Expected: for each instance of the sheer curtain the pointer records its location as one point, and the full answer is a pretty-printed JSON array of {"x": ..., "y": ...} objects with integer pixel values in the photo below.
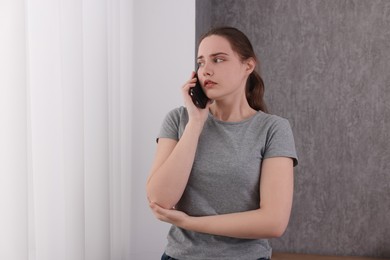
[{"x": 65, "y": 113}]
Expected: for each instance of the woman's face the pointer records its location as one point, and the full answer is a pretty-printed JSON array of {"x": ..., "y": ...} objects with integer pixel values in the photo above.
[{"x": 221, "y": 72}]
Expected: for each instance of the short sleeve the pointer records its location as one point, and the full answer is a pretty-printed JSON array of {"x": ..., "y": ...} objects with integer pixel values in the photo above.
[
  {"x": 280, "y": 141},
  {"x": 173, "y": 124}
]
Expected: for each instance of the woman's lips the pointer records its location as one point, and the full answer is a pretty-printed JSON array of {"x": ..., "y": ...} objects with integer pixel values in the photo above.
[{"x": 209, "y": 83}]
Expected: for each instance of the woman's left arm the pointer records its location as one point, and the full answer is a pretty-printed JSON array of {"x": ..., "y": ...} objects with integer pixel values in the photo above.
[{"x": 270, "y": 220}]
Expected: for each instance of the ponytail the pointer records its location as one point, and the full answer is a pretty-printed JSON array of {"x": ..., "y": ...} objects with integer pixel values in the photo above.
[{"x": 255, "y": 92}]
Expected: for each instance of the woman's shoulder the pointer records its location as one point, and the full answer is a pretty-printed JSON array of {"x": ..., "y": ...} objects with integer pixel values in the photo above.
[
  {"x": 178, "y": 111},
  {"x": 271, "y": 119},
  {"x": 269, "y": 123},
  {"x": 177, "y": 114}
]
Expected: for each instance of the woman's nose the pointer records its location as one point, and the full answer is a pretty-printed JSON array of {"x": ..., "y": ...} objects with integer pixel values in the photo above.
[{"x": 207, "y": 70}]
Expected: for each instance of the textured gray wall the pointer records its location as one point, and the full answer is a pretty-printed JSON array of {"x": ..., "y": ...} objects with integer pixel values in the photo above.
[{"x": 326, "y": 66}]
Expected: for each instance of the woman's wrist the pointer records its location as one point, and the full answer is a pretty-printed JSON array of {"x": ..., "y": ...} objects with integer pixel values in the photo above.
[
  {"x": 189, "y": 223},
  {"x": 195, "y": 126}
]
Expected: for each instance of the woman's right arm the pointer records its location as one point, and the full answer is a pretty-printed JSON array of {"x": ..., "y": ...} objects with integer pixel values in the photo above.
[
  {"x": 173, "y": 160},
  {"x": 172, "y": 167}
]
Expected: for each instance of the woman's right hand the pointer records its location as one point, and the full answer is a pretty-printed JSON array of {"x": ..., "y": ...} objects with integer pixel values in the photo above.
[{"x": 196, "y": 115}]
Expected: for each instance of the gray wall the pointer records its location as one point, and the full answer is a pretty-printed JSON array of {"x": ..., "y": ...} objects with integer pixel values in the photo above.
[{"x": 326, "y": 66}]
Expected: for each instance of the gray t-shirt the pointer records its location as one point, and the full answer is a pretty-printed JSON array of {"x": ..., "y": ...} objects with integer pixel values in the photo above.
[{"x": 225, "y": 179}]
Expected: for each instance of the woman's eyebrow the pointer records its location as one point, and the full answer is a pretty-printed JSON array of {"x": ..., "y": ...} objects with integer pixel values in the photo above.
[
  {"x": 213, "y": 55},
  {"x": 219, "y": 53}
]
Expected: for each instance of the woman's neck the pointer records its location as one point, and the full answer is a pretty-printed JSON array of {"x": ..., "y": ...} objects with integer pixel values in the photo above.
[{"x": 232, "y": 111}]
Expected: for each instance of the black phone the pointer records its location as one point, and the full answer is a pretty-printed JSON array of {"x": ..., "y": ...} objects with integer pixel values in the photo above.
[{"x": 197, "y": 94}]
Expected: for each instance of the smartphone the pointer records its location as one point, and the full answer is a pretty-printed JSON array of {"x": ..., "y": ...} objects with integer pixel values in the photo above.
[{"x": 197, "y": 94}]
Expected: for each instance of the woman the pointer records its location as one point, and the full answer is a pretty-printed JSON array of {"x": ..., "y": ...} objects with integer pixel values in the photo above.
[{"x": 223, "y": 175}]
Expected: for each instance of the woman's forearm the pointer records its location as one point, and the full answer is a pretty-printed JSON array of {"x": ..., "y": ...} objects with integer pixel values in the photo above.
[
  {"x": 248, "y": 225},
  {"x": 167, "y": 181}
]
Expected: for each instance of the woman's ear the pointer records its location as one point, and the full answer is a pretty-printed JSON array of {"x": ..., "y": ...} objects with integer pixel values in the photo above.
[{"x": 250, "y": 65}]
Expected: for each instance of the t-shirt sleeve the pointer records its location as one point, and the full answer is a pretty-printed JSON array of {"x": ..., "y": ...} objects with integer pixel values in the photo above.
[
  {"x": 280, "y": 141},
  {"x": 170, "y": 125}
]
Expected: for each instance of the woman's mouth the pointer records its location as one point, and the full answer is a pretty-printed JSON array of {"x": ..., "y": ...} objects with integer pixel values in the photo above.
[{"x": 209, "y": 84}]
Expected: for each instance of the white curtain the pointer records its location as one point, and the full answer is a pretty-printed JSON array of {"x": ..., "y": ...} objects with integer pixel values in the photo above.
[{"x": 65, "y": 134}]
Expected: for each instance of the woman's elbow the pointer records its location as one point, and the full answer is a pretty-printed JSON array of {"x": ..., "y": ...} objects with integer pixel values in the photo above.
[
  {"x": 277, "y": 232},
  {"x": 274, "y": 227},
  {"x": 278, "y": 228},
  {"x": 162, "y": 203},
  {"x": 158, "y": 199}
]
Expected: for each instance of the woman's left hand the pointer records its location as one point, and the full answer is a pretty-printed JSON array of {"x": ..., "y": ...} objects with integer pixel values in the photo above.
[{"x": 172, "y": 216}]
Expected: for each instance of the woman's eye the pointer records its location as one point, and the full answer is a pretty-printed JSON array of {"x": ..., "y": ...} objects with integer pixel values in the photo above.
[
  {"x": 218, "y": 60},
  {"x": 200, "y": 63}
]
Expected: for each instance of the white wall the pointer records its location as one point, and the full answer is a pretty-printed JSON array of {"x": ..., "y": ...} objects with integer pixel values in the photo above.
[{"x": 163, "y": 58}]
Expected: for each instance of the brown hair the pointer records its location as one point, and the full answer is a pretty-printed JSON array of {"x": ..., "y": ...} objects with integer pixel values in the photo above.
[{"x": 243, "y": 47}]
